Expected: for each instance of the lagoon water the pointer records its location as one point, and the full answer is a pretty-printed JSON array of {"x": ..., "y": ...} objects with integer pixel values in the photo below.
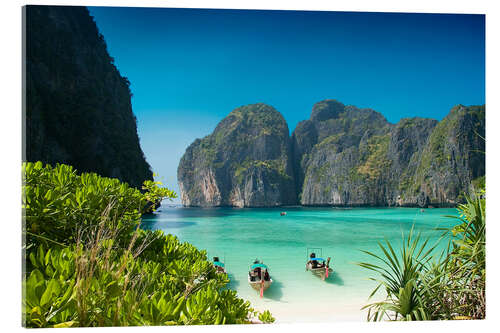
[{"x": 238, "y": 236}]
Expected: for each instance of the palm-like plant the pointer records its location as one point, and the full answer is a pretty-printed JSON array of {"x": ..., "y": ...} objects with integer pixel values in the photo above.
[
  {"x": 459, "y": 289},
  {"x": 469, "y": 248},
  {"x": 401, "y": 277},
  {"x": 422, "y": 286}
]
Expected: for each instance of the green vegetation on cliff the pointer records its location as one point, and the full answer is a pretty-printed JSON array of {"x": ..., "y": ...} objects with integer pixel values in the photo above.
[
  {"x": 89, "y": 264},
  {"x": 374, "y": 161},
  {"x": 267, "y": 120}
]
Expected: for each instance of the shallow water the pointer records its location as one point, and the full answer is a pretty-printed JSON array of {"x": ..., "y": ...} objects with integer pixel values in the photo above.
[{"x": 238, "y": 236}]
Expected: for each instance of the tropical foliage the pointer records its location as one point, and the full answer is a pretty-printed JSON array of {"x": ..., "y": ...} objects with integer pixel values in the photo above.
[
  {"x": 89, "y": 263},
  {"x": 421, "y": 284}
]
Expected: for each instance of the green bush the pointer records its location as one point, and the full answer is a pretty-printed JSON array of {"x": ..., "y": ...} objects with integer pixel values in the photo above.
[
  {"x": 89, "y": 263},
  {"x": 58, "y": 203},
  {"x": 266, "y": 317}
]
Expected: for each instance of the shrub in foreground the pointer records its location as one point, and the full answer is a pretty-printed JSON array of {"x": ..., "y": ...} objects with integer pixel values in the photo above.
[{"x": 89, "y": 263}]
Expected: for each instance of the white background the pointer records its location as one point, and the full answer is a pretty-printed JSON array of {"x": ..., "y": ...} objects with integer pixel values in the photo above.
[{"x": 10, "y": 139}]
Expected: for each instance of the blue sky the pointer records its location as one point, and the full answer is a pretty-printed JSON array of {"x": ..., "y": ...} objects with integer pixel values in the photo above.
[{"x": 189, "y": 68}]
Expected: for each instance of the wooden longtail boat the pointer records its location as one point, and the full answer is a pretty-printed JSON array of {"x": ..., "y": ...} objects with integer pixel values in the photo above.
[
  {"x": 219, "y": 266},
  {"x": 319, "y": 266},
  {"x": 259, "y": 278}
]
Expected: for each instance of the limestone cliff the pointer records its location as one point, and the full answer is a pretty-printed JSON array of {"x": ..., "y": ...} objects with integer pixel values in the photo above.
[
  {"x": 245, "y": 162},
  {"x": 341, "y": 156},
  {"x": 353, "y": 157},
  {"x": 78, "y": 108},
  {"x": 452, "y": 161}
]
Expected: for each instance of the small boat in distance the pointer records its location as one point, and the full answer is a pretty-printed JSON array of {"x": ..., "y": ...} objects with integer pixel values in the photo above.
[
  {"x": 319, "y": 266},
  {"x": 219, "y": 266},
  {"x": 258, "y": 277},
  {"x": 282, "y": 213}
]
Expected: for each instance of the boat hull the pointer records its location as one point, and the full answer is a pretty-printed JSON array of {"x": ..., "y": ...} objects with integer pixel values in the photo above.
[
  {"x": 258, "y": 284},
  {"x": 321, "y": 271}
]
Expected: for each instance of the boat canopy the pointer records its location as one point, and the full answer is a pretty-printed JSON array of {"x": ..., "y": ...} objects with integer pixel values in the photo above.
[
  {"x": 218, "y": 263},
  {"x": 258, "y": 265},
  {"x": 317, "y": 259}
]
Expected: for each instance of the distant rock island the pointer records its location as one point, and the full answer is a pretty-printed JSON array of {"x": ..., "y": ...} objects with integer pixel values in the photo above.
[
  {"x": 78, "y": 108},
  {"x": 245, "y": 162},
  {"x": 341, "y": 156}
]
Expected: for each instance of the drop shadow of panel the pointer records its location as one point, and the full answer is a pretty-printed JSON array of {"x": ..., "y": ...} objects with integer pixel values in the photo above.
[{"x": 275, "y": 290}]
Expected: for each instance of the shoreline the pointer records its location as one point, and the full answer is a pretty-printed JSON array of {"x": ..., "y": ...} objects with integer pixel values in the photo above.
[
  {"x": 340, "y": 207},
  {"x": 316, "y": 311}
]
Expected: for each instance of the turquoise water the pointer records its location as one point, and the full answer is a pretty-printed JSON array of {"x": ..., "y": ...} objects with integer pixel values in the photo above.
[{"x": 238, "y": 236}]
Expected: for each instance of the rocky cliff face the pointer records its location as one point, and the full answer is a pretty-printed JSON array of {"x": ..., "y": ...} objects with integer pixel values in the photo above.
[
  {"x": 325, "y": 152},
  {"x": 349, "y": 156},
  {"x": 78, "y": 108},
  {"x": 245, "y": 162},
  {"x": 452, "y": 160},
  {"x": 408, "y": 138},
  {"x": 341, "y": 156}
]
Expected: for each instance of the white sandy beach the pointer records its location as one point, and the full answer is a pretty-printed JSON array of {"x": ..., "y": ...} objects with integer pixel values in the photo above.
[{"x": 316, "y": 311}]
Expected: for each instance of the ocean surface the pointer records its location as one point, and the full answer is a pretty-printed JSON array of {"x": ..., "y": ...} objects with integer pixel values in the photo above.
[{"x": 238, "y": 236}]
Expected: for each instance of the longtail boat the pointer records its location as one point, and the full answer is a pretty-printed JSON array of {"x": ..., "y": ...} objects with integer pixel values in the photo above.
[
  {"x": 258, "y": 277},
  {"x": 319, "y": 266},
  {"x": 219, "y": 266}
]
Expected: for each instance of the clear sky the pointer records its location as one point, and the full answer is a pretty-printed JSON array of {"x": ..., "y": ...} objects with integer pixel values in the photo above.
[{"x": 189, "y": 68}]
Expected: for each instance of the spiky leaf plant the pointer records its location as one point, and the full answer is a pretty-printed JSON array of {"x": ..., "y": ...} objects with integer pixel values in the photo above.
[{"x": 400, "y": 275}]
